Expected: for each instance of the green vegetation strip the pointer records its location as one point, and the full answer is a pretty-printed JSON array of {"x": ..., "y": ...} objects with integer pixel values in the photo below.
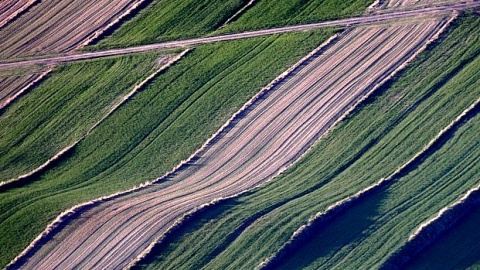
[
  {"x": 377, "y": 139},
  {"x": 63, "y": 108},
  {"x": 160, "y": 126},
  {"x": 272, "y": 13},
  {"x": 165, "y": 20},
  {"x": 172, "y": 19}
]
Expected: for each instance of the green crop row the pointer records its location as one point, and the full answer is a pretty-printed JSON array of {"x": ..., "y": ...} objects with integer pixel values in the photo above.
[
  {"x": 371, "y": 230},
  {"x": 171, "y": 20},
  {"x": 389, "y": 129},
  {"x": 271, "y": 13},
  {"x": 151, "y": 133},
  {"x": 165, "y": 20},
  {"x": 62, "y": 109}
]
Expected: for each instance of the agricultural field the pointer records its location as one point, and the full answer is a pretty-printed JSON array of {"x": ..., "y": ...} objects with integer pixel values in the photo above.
[
  {"x": 16, "y": 82},
  {"x": 168, "y": 120},
  {"x": 161, "y": 20},
  {"x": 10, "y": 9},
  {"x": 456, "y": 248},
  {"x": 292, "y": 148},
  {"x": 259, "y": 145},
  {"x": 66, "y": 105},
  {"x": 384, "y": 134},
  {"x": 65, "y": 26},
  {"x": 269, "y": 13}
]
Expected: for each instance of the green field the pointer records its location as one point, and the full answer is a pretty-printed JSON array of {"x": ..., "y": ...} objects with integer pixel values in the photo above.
[
  {"x": 271, "y": 13},
  {"x": 63, "y": 108},
  {"x": 160, "y": 126},
  {"x": 382, "y": 135},
  {"x": 164, "y": 20}
]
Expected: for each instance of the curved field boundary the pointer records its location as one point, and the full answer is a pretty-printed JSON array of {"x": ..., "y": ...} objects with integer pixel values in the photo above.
[
  {"x": 270, "y": 136},
  {"x": 340, "y": 205},
  {"x": 429, "y": 231},
  {"x": 135, "y": 7},
  {"x": 11, "y": 9},
  {"x": 366, "y": 20},
  {"x": 26, "y": 177}
]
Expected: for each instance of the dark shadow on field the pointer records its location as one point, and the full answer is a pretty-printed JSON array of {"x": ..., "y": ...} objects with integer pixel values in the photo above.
[
  {"x": 457, "y": 248},
  {"x": 328, "y": 236}
]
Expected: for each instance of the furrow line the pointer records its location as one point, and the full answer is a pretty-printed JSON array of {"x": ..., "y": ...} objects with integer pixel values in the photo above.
[
  {"x": 25, "y": 89},
  {"x": 238, "y": 13},
  {"x": 97, "y": 35},
  {"x": 18, "y": 11},
  {"x": 64, "y": 218},
  {"x": 25, "y": 177}
]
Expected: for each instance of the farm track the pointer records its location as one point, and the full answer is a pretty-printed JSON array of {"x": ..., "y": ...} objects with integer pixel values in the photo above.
[
  {"x": 378, "y": 18},
  {"x": 53, "y": 31},
  {"x": 52, "y": 26},
  {"x": 271, "y": 135}
]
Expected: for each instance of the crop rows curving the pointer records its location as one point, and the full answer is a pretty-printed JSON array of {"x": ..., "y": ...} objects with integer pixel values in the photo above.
[
  {"x": 371, "y": 144},
  {"x": 455, "y": 248},
  {"x": 267, "y": 14},
  {"x": 15, "y": 85},
  {"x": 273, "y": 133}
]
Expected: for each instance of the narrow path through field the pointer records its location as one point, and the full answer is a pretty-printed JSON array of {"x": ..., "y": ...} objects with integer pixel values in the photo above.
[{"x": 270, "y": 136}]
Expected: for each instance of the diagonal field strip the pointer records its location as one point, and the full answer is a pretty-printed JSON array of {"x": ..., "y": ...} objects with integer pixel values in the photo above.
[
  {"x": 16, "y": 86},
  {"x": 269, "y": 136},
  {"x": 190, "y": 42},
  {"x": 169, "y": 61}
]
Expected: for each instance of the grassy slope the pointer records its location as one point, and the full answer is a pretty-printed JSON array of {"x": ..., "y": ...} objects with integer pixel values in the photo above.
[
  {"x": 381, "y": 136},
  {"x": 161, "y": 21},
  {"x": 62, "y": 108},
  {"x": 272, "y": 13},
  {"x": 151, "y": 133},
  {"x": 457, "y": 249}
]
